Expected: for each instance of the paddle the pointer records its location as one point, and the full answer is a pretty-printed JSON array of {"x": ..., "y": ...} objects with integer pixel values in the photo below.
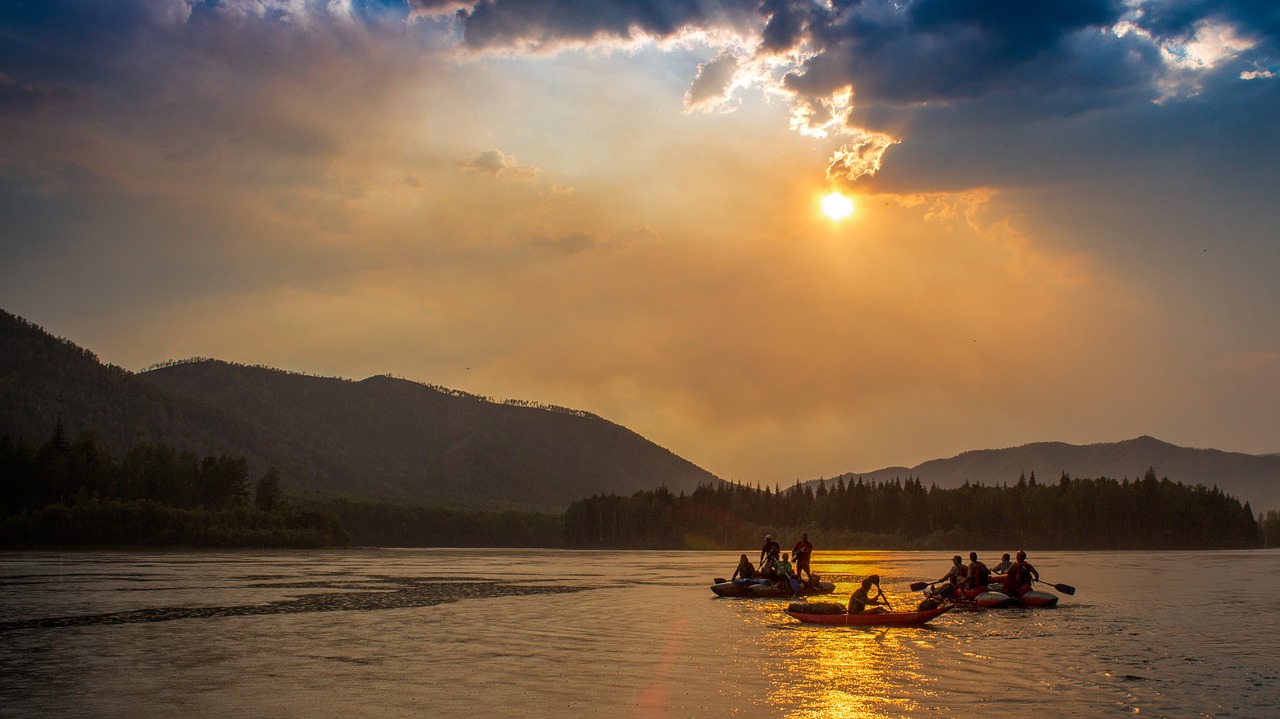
[
  {"x": 1064, "y": 588},
  {"x": 921, "y": 586},
  {"x": 880, "y": 595}
]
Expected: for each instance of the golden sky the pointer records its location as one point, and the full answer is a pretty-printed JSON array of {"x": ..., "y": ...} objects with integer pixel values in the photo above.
[{"x": 1064, "y": 224}]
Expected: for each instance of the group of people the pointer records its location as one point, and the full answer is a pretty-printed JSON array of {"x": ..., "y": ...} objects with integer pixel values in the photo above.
[
  {"x": 968, "y": 581},
  {"x": 963, "y": 581},
  {"x": 1015, "y": 576},
  {"x": 776, "y": 565}
]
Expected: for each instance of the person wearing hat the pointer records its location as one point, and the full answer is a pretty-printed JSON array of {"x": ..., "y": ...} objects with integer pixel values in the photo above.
[
  {"x": 769, "y": 552},
  {"x": 860, "y": 602},
  {"x": 954, "y": 576},
  {"x": 1018, "y": 581}
]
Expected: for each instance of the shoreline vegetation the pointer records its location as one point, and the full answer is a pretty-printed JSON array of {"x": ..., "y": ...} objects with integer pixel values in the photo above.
[
  {"x": 1071, "y": 514},
  {"x": 77, "y": 494}
]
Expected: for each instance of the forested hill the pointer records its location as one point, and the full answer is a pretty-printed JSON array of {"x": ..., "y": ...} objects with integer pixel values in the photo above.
[
  {"x": 46, "y": 379},
  {"x": 377, "y": 437},
  {"x": 1252, "y": 478},
  {"x": 435, "y": 443}
]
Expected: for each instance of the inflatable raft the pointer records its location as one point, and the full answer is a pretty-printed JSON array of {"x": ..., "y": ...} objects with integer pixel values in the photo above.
[
  {"x": 766, "y": 589},
  {"x": 872, "y": 619},
  {"x": 992, "y": 599}
]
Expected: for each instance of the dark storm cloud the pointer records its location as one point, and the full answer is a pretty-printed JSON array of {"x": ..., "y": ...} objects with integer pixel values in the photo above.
[
  {"x": 937, "y": 51},
  {"x": 788, "y": 22},
  {"x": 1260, "y": 18},
  {"x": 1050, "y": 55},
  {"x": 550, "y": 23}
]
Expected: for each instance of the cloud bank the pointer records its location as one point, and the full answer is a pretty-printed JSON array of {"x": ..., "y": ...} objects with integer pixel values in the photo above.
[{"x": 854, "y": 69}]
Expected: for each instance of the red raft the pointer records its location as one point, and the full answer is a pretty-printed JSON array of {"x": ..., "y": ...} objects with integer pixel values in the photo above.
[{"x": 872, "y": 619}]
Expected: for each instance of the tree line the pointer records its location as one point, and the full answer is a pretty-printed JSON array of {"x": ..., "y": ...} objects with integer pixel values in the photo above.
[
  {"x": 1073, "y": 513},
  {"x": 76, "y": 492}
]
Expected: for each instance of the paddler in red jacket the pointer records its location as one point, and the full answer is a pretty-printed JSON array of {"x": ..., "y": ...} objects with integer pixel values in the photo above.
[{"x": 1018, "y": 580}]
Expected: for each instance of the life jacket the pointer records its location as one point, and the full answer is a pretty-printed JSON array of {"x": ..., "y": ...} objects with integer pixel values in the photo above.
[
  {"x": 1017, "y": 578},
  {"x": 980, "y": 574}
]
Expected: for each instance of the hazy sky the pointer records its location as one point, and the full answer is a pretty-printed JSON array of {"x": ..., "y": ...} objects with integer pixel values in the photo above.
[{"x": 1066, "y": 222}]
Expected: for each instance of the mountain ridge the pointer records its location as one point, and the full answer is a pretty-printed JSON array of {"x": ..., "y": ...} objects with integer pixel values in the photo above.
[
  {"x": 1254, "y": 478},
  {"x": 380, "y": 436}
]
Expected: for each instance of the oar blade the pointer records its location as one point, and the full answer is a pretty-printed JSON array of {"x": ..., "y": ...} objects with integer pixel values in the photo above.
[
  {"x": 1065, "y": 589},
  {"x": 920, "y": 586}
]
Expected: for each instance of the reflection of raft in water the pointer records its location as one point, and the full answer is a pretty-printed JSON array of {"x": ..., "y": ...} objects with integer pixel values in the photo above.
[
  {"x": 832, "y": 615},
  {"x": 765, "y": 588}
]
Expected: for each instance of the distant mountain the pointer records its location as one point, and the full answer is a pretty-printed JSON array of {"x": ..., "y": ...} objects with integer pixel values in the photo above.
[
  {"x": 1248, "y": 477},
  {"x": 379, "y": 436}
]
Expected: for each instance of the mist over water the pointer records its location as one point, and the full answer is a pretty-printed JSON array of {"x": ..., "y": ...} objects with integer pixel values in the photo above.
[{"x": 402, "y": 633}]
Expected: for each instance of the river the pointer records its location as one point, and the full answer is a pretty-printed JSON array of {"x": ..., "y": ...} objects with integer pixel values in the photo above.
[{"x": 549, "y": 633}]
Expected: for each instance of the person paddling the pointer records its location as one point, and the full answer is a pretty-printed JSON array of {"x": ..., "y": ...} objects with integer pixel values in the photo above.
[
  {"x": 1018, "y": 580},
  {"x": 745, "y": 570},
  {"x": 861, "y": 601},
  {"x": 954, "y": 576}
]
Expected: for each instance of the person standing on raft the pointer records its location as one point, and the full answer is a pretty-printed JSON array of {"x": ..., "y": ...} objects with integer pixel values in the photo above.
[
  {"x": 769, "y": 552},
  {"x": 860, "y": 600},
  {"x": 800, "y": 555}
]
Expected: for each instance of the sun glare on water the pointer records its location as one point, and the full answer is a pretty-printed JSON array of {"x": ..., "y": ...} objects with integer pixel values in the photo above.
[{"x": 836, "y": 206}]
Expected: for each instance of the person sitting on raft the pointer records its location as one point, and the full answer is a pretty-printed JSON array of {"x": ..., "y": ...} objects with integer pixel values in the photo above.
[
  {"x": 745, "y": 570},
  {"x": 860, "y": 602},
  {"x": 786, "y": 576},
  {"x": 1003, "y": 566},
  {"x": 954, "y": 577},
  {"x": 1018, "y": 580},
  {"x": 978, "y": 577}
]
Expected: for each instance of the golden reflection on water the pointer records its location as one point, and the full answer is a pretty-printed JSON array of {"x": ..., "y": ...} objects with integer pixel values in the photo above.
[
  {"x": 851, "y": 672},
  {"x": 848, "y": 673}
]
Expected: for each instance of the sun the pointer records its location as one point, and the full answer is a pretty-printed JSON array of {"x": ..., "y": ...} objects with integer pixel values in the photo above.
[{"x": 837, "y": 206}]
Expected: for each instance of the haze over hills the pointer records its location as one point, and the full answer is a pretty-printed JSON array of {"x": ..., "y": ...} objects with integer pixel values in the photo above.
[
  {"x": 379, "y": 436},
  {"x": 431, "y": 443},
  {"x": 398, "y": 439},
  {"x": 1248, "y": 477}
]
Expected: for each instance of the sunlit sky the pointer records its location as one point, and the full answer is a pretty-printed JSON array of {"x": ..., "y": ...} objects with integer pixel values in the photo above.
[{"x": 1065, "y": 222}]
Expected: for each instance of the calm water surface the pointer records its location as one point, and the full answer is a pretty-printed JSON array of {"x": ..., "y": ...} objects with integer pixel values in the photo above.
[{"x": 408, "y": 633}]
